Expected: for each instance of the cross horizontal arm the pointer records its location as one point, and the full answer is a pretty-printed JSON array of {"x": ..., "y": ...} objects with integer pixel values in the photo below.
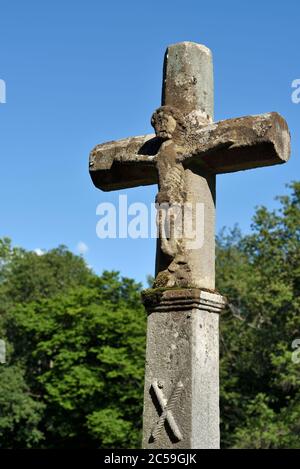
[
  {"x": 238, "y": 144},
  {"x": 120, "y": 164}
]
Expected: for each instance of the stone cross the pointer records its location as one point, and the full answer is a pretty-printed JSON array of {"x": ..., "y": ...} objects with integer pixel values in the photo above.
[{"x": 188, "y": 149}]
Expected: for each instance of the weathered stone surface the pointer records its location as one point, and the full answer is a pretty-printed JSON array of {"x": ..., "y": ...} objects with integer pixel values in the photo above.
[
  {"x": 238, "y": 144},
  {"x": 162, "y": 300},
  {"x": 200, "y": 254},
  {"x": 188, "y": 80},
  {"x": 222, "y": 147},
  {"x": 187, "y": 100},
  {"x": 124, "y": 163},
  {"x": 182, "y": 369}
]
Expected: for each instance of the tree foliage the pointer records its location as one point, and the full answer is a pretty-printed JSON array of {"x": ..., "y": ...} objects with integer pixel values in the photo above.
[
  {"x": 78, "y": 343},
  {"x": 260, "y": 274}
]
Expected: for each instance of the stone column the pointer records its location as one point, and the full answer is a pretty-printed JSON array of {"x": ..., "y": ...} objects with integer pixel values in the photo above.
[{"x": 181, "y": 406}]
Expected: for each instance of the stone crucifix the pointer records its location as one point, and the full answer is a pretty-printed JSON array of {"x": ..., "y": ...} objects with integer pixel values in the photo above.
[{"x": 188, "y": 149}]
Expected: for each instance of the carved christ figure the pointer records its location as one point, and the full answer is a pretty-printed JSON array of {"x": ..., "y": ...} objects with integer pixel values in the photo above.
[{"x": 170, "y": 128}]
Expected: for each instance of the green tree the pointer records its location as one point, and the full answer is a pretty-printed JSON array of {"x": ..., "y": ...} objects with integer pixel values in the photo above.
[
  {"x": 75, "y": 349},
  {"x": 20, "y": 413},
  {"x": 30, "y": 277},
  {"x": 260, "y": 274},
  {"x": 85, "y": 360}
]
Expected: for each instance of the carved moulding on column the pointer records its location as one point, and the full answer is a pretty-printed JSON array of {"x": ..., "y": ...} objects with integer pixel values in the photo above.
[{"x": 156, "y": 300}]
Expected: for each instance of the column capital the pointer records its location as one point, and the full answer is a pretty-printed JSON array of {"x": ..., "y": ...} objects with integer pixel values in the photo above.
[{"x": 184, "y": 299}]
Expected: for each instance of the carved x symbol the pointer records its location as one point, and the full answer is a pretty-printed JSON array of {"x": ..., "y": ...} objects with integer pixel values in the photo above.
[{"x": 166, "y": 410}]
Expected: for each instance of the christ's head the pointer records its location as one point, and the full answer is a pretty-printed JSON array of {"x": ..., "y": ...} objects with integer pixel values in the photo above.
[{"x": 168, "y": 122}]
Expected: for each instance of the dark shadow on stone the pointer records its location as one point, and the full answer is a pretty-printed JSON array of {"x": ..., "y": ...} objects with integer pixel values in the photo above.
[
  {"x": 150, "y": 147},
  {"x": 124, "y": 176}
]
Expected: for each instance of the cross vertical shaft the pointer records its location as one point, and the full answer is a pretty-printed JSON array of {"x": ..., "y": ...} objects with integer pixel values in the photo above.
[
  {"x": 183, "y": 336},
  {"x": 188, "y": 86}
]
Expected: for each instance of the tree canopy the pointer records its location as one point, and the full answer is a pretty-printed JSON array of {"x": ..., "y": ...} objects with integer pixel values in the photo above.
[
  {"x": 76, "y": 342},
  {"x": 260, "y": 274}
]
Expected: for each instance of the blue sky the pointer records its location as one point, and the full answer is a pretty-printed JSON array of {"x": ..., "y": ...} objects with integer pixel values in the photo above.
[{"x": 80, "y": 73}]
